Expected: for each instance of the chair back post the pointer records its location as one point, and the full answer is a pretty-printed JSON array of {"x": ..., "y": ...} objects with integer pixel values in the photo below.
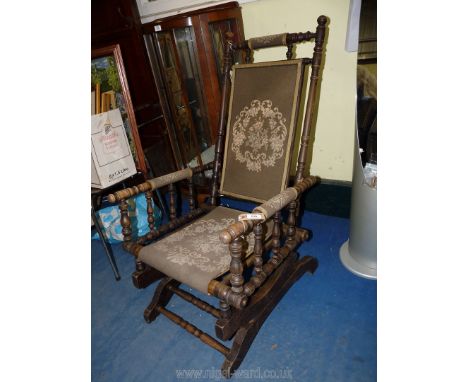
[
  {"x": 311, "y": 98},
  {"x": 219, "y": 148},
  {"x": 248, "y": 56},
  {"x": 289, "y": 52}
]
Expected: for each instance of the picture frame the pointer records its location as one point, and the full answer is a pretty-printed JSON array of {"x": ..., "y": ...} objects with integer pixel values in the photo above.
[{"x": 110, "y": 90}]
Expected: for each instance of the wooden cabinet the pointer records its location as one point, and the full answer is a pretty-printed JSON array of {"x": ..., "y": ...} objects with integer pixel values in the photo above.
[
  {"x": 173, "y": 69},
  {"x": 185, "y": 54},
  {"x": 118, "y": 22}
]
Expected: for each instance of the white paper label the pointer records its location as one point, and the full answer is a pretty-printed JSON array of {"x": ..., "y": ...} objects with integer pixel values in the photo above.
[
  {"x": 257, "y": 216},
  {"x": 112, "y": 159}
]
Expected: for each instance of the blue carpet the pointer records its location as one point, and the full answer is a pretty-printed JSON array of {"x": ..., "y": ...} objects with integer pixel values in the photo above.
[{"x": 324, "y": 328}]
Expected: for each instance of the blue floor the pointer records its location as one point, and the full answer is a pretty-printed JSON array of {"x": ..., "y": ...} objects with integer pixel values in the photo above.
[{"x": 324, "y": 328}]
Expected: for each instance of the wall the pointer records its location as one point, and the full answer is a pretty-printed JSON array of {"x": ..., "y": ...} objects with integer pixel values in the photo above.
[{"x": 333, "y": 144}]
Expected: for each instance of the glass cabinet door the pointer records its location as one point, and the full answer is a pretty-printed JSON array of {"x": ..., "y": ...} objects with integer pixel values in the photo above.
[
  {"x": 218, "y": 30},
  {"x": 178, "y": 99},
  {"x": 181, "y": 75},
  {"x": 186, "y": 57},
  {"x": 184, "y": 39}
]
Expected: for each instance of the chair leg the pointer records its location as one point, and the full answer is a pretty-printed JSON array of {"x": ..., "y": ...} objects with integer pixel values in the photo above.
[
  {"x": 161, "y": 298},
  {"x": 250, "y": 321},
  {"x": 240, "y": 346},
  {"x": 144, "y": 277},
  {"x": 246, "y": 334}
]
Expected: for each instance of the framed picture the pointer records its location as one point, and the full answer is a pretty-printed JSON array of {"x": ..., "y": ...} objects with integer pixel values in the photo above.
[{"x": 109, "y": 91}]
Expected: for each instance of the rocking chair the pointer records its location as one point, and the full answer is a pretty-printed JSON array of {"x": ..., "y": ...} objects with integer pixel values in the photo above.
[{"x": 212, "y": 248}]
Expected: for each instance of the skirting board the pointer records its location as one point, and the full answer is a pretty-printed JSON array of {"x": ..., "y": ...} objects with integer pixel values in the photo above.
[{"x": 330, "y": 197}]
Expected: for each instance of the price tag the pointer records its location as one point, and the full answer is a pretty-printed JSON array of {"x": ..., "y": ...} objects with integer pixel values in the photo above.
[{"x": 257, "y": 216}]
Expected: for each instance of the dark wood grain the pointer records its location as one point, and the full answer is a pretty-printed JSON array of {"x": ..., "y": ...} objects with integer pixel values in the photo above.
[
  {"x": 200, "y": 304},
  {"x": 172, "y": 202},
  {"x": 291, "y": 234},
  {"x": 219, "y": 148},
  {"x": 236, "y": 267},
  {"x": 150, "y": 210},
  {"x": 311, "y": 98}
]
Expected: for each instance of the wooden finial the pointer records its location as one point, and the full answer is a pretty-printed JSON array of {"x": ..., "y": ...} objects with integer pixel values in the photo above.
[{"x": 322, "y": 20}]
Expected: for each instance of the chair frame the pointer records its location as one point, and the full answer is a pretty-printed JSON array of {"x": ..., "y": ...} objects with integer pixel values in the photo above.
[{"x": 243, "y": 306}]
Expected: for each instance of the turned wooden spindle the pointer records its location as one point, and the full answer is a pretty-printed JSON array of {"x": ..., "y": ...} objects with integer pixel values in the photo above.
[
  {"x": 150, "y": 210},
  {"x": 192, "y": 329},
  {"x": 258, "y": 247},
  {"x": 191, "y": 194},
  {"x": 127, "y": 230},
  {"x": 172, "y": 202},
  {"x": 248, "y": 56},
  {"x": 236, "y": 268},
  {"x": 225, "y": 309},
  {"x": 257, "y": 280},
  {"x": 200, "y": 304},
  {"x": 225, "y": 293},
  {"x": 289, "y": 53},
  {"x": 259, "y": 276},
  {"x": 235, "y": 230},
  {"x": 129, "y": 192},
  {"x": 294, "y": 38},
  {"x": 291, "y": 234},
  {"x": 203, "y": 168},
  {"x": 125, "y": 221},
  {"x": 276, "y": 236},
  {"x": 219, "y": 148},
  {"x": 254, "y": 283},
  {"x": 311, "y": 98}
]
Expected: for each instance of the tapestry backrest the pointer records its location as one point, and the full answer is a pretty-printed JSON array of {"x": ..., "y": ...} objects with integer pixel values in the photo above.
[{"x": 262, "y": 119}]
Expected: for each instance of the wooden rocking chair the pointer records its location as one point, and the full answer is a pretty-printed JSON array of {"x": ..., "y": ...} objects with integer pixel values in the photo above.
[{"x": 212, "y": 247}]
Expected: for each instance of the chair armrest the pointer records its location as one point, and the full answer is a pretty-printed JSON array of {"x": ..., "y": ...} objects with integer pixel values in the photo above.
[
  {"x": 268, "y": 209},
  {"x": 238, "y": 293},
  {"x": 151, "y": 185},
  {"x": 206, "y": 166}
]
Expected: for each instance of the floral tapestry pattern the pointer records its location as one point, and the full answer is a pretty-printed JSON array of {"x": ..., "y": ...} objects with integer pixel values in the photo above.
[
  {"x": 198, "y": 245},
  {"x": 259, "y": 133}
]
